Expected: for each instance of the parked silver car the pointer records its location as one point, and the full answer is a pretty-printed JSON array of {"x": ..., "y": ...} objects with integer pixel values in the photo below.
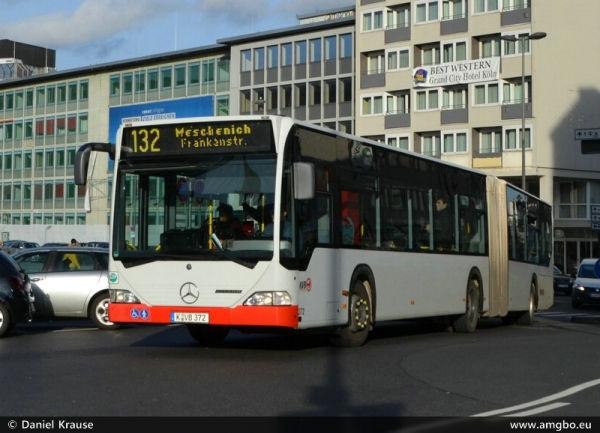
[
  {"x": 14, "y": 246},
  {"x": 69, "y": 282}
]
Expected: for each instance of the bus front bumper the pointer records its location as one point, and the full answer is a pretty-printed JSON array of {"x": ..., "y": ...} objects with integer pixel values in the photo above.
[{"x": 279, "y": 316}]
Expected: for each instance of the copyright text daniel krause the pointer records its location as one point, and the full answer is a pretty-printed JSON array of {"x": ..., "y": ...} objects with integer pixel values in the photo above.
[{"x": 51, "y": 425}]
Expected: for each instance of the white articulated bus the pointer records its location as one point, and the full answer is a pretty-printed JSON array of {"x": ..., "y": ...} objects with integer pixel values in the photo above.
[{"x": 332, "y": 233}]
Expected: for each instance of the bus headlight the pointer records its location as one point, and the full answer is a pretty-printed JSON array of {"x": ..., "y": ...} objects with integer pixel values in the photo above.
[
  {"x": 266, "y": 299},
  {"x": 122, "y": 296}
]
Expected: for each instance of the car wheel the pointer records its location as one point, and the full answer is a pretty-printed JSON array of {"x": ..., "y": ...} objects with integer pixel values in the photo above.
[
  {"x": 99, "y": 312},
  {"x": 4, "y": 320}
]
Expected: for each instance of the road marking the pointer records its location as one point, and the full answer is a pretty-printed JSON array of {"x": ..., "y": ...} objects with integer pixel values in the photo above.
[
  {"x": 539, "y": 409},
  {"x": 548, "y": 399}
]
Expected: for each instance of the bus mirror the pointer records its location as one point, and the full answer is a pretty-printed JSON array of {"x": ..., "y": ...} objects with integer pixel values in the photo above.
[
  {"x": 82, "y": 159},
  {"x": 304, "y": 181}
]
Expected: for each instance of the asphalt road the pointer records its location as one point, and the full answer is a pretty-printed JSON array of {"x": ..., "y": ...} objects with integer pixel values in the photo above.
[{"x": 69, "y": 368}]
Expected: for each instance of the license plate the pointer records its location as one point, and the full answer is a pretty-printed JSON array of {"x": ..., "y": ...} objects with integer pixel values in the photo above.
[
  {"x": 189, "y": 317},
  {"x": 563, "y": 286},
  {"x": 594, "y": 295}
]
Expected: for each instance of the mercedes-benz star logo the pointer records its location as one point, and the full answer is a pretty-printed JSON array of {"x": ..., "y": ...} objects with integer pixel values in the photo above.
[{"x": 189, "y": 293}]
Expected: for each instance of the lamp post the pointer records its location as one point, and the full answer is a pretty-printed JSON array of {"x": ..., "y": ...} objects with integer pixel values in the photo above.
[{"x": 523, "y": 38}]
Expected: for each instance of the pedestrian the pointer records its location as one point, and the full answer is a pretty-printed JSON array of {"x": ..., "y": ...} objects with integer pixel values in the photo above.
[{"x": 74, "y": 243}]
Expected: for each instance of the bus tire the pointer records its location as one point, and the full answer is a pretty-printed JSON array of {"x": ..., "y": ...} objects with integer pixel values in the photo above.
[
  {"x": 208, "y": 336},
  {"x": 355, "y": 333},
  {"x": 525, "y": 318},
  {"x": 99, "y": 312},
  {"x": 467, "y": 322}
]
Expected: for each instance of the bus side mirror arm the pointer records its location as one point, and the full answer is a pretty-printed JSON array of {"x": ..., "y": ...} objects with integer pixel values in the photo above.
[
  {"x": 82, "y": 159},
  {"x": 304, "y": 181}
]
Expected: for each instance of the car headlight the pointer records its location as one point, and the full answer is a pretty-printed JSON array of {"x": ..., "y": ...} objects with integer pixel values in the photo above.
[
  {"x": 266, "y": 299},
  {"x": 578, "y": 286},
  {"x": 122, "y": 296}
]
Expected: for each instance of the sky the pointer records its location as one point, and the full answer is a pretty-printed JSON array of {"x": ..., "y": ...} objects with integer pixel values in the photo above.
[{"x": 90, "y": 32}]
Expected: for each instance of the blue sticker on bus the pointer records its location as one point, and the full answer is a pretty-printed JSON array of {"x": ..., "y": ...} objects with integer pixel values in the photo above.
[
  {"x": 144, "y": 314},
  {"x": 134, "y": 313}
]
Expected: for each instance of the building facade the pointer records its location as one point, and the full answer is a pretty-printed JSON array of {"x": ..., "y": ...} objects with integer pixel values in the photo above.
[
  {"x": 458, "y": 80},
  {"x": 472, "y": 108}
]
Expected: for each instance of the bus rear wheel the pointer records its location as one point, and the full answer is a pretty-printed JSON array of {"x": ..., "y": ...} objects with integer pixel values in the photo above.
[
  {"x": 467, "y": 322},
  {"x": 354, "y": 334},
  {"x": 208, "y": 336}
]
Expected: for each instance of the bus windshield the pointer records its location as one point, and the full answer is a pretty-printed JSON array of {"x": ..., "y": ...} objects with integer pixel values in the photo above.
[{"x": 215, "y": 208}]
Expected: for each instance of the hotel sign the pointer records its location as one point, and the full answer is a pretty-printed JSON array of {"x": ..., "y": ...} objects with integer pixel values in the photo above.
[{"x": 449, "y": 74}]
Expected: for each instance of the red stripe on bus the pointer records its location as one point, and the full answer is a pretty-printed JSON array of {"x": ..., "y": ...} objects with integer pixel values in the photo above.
[{"x": 284, "y": 316}]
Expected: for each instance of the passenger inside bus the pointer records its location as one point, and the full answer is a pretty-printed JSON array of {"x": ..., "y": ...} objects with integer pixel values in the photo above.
[
  {"x": 443, "y": 225},
  {"x": 226, "y": 226}
]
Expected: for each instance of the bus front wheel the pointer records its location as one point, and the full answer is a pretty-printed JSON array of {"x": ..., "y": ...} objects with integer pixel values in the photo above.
[
  {"x": 355, "y": 333},
  {"x": 208, "y": 336},
  {"x": 467, "y": 322},
  {"x": 525, "y": 318}
]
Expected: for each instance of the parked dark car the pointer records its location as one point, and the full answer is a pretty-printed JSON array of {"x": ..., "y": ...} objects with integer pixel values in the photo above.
[
  {"x": 16, "y": 297},
  {"x": 563, "y": 283},
  {"x": 14, "y": 246},
  {"x": 586, "y": 288},
  {"x": 69, "y": 282},
  {"x": 97, "y": 244}
]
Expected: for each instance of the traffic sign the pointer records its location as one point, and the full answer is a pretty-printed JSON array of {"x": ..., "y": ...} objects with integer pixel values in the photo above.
[{"x": 587, "y": 134}]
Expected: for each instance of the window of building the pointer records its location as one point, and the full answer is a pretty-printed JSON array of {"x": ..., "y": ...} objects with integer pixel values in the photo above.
[
  {"x": 71, "y": 157},
  {"x": 166, "y": 77},
  {"x": 72, "y": 92},
  {"x": 315, "y": 50},
  {"x": 27, "y": 161},
  {"x": 300, "y": 95},
  {"x": 372, "y": 20},
  {"x": 48, "y": 191},
  {"x": 398, "y": 102},
  {"x": 426, "y": 12},
  {"x": 454, "y": 98},
  {"x": 482, "y": 6},
  {"x": 18, "y": 125},
  {"x": 208, "y": 71},
  {"x": 272, "y": 56},
  {"x": 61, "y": 93},
  {"x": 490, "y": 47},
  {"x": 399, "y": 141},
  {"x": 431, "y": 144},
  {"x": 572, "y": 200},
  {"x": 83, "y": 123},
  {"x": 140, "y": 81},
  {"x": 513, "y": 48},
  {"x": 50, "y": 95},
  {"x": 259, "y": 59},
  {"x": 286, "y": 54},
  {"x": 315, "y": 93},
  {"x": 514, "y": 4},
  {"x": 300, "y": 52},
  {"x": 50, "y": 126},
  {"x": 486, "y": 94},
  {"x": 26, "y": 191},
  {"x": 8, "y": 159},
  {"x": 18, "y": 161},
  {"x": 454, "y": 142},
  {"x": 60, "y": 125},
  {"x": 454, "y": 9},
  {"x": 115, "y": 85},
  {"x": 10, "y": 101},
  {"x": 346, "y": 49},
  {"x": 513, "y": 91},
  {"x": 455, "y": 51},
  {"x": 127, "y": 84},
  {"x": 28, "y": 129},
  {"x": 50, "y": 158},
  {"x": 1, "y": 101},
  {"x": 330, "y": 48},
  {"x": 430, "y": 55},
  {"x": 71, "y": 123},
  {"x": 375, "y": 63},
  {"x": 29, "y": 98},
  {"x": 398, "y": 59},
  {"x": 60, "y": 157},
  {"x": 180, "y": 75},
  {"x": 84, "y": 87},
  {"x": 285, "y": 94},
  {"x": 345, "y": 86},
  {"x": 372, "y": 105},
  {"x": 512, "y": 138},
  {"x": 152, "y": 79},
  {"x": 427, "y": 100},
  {"x": 330, "y": 91},
  {"x": 398, "y": 16},
  {"x": 245, "y": 101},
  {"x": 222, "y": 105},
  {"x": 223, "y": 66},
  {"x": 246, "y": 60},
  {"x": 19, "y": 100},
  {"x": 194, "y": 74}
]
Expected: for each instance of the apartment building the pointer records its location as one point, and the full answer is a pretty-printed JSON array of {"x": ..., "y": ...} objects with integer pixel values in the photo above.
[{"x": 472, "y": 108}]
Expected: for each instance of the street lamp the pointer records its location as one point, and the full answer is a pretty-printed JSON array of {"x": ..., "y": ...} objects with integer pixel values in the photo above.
[{"x": 523, "y": 38}]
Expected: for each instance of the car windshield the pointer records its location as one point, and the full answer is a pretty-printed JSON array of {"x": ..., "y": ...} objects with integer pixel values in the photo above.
[
  {"x": 586, "y": 271},
  {"x": 557, "y": 271}
]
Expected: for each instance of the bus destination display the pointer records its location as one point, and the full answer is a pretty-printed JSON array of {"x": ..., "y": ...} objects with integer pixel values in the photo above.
[{"x": 188, "y": 138}]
